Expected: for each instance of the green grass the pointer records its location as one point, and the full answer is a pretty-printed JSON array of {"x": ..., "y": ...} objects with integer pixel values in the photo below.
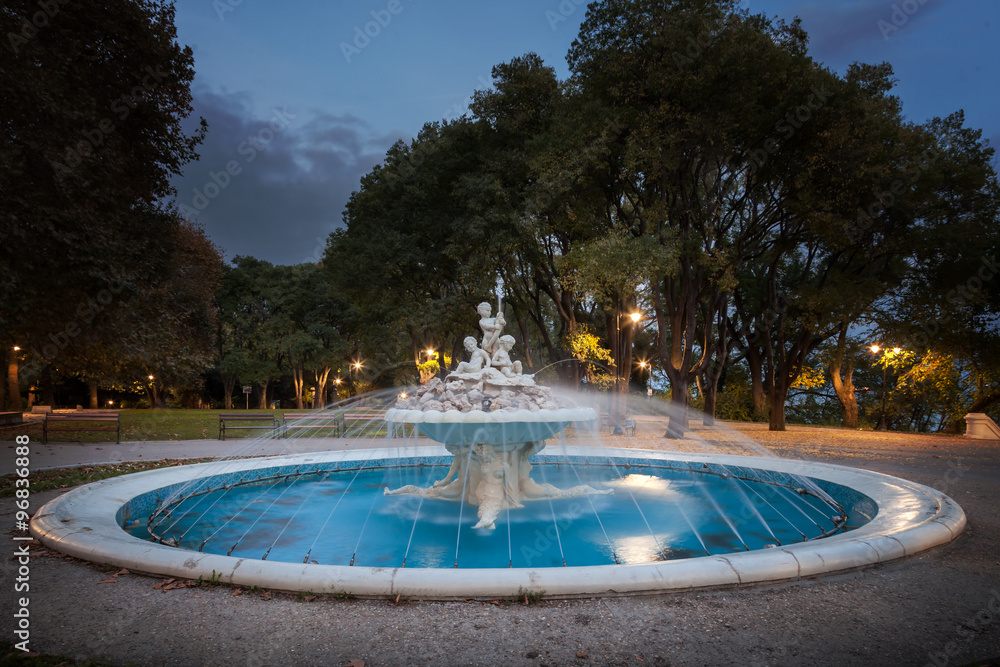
[
  {"x": 167, "y": 424},
  {"x": 64, "y": 478}
]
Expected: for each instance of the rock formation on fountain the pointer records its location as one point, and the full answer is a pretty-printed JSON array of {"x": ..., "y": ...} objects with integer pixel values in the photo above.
[{"x": 492, "y": 418}]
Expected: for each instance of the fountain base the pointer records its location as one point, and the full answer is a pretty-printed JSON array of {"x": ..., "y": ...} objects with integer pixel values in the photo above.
[{"x": 493, "y": 477}]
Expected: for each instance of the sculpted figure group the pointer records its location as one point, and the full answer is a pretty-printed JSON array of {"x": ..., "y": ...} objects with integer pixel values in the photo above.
[{"x": 491, "y": 361}]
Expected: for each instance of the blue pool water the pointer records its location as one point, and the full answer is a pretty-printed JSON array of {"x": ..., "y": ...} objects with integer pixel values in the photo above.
[{"x": 658, "y": 511}]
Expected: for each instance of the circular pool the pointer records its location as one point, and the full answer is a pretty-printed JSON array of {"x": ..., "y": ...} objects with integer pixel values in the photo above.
[{"x": 321, "y": 523}]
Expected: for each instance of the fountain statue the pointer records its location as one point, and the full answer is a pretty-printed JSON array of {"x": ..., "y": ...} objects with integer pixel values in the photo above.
[{"x": 492, "y": 418}]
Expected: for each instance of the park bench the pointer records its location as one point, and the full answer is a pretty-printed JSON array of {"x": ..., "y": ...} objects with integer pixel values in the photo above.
[
  {"x": 267, "y": 422},
  {"x": 362, "y": 416},
  {"x": 103, "y": 418},
  {"x": 294, "y": 420}
]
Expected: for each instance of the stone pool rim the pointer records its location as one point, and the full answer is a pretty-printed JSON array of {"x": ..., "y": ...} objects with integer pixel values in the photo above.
[{"x": 911, "y": 518}]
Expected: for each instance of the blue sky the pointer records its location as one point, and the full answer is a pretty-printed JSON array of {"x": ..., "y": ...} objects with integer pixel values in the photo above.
[{"x": 300, "y": 107}]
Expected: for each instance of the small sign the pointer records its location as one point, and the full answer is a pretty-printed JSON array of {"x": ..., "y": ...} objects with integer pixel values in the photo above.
[
  {"x": 248, "y": 390},
  {"x": 649, "y": 392}
]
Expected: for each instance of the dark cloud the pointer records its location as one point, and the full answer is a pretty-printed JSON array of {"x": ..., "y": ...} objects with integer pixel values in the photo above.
[
  {"x": 274, "y": 185},
  {"x": 838, "y": 31}
]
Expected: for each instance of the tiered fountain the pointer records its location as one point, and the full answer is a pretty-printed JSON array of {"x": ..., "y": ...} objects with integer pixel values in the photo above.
[{"x": 366, "y": 516}]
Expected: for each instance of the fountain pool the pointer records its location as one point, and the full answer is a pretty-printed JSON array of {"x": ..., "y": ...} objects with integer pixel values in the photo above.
[{"x": 656, "y": 550}]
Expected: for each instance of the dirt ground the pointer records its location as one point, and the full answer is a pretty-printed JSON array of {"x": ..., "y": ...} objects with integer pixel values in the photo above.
[{"x": 940, "y": 607}]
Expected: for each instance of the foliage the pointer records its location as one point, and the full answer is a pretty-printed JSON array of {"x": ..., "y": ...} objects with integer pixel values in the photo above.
[
  {"x": 586, "y": 348},
  {"x": 92, "y": 133}
]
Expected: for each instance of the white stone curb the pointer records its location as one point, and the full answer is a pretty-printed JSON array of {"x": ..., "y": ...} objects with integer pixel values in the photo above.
[{"x": 911, "y": 517}]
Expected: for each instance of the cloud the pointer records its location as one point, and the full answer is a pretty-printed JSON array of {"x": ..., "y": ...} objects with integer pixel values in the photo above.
[
  {"x": 274, "y": 185},
  {"x": 839, "y": 31}
]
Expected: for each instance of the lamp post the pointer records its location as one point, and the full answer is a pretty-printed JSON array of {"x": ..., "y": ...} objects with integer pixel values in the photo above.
[
  {"x": 885, "y": 363},
  {"x": 13, "y": 386},
  {"x": 643, "y": 365},
  {"x": 622, "y": 350},
  {"x": 356, "y": 368}
]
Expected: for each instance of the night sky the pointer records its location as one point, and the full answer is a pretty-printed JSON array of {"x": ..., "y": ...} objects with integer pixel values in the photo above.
[{"x": 300, "y": 107}]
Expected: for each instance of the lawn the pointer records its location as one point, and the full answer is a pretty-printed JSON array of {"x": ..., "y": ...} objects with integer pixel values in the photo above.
[
  {"x": 168, "y": 424},
  {"x": 64, "y": 478}
]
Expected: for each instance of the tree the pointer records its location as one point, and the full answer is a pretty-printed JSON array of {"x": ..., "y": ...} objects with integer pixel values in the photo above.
[
  {"x": 404, "y": 259},
  {"x": 166, "y": 330},
  {"x": 249, "y": 324},
  {"x": 91, "y": 127},
  {"x": 695, "y": 123}
]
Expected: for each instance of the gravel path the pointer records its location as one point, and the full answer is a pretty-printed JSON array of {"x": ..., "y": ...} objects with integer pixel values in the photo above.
[{"x": 938, "y": 608}]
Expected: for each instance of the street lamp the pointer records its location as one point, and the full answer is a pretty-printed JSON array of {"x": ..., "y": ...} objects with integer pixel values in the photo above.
[
  {"x": 14, "y": 398},
  {"x": 621, "y": 353},
  {"x": 875, "y": 350}
]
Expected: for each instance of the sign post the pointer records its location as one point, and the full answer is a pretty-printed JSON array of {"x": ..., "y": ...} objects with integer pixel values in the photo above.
[{"x": 246, "y": 391}]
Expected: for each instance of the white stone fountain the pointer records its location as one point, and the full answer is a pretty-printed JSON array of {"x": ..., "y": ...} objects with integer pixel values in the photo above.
[{"x": 492, "y": 418}]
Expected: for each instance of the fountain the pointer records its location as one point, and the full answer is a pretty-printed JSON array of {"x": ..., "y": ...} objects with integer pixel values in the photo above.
[
  {"x": 492, "y": 419},
  {"x": 389, "y": 510}
]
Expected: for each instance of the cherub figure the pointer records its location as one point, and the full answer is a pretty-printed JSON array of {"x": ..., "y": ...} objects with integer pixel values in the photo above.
[
  {"x": 478, "y": 361},
  {"x": 492, "y": 327},
  {"x": 501, "y": 358}
]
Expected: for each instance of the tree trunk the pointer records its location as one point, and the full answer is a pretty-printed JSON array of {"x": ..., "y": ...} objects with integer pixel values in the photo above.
[
  {"x": 677, "y": 424},
  {"x": 228, "y": 384},
  {"x": 322, "y": 378},
  {"x": 263, "y": 395},
  {"x": 13, "y": 386},
  {"x": 844, "y": 387},
  {"x": 522, "y": 325},
  {"x": 299, "y": 379},
  {"x": 711, "y": 391},
  {"x": 46, "y": 387},
  {"x": 758, "y": 394},
  {"x": 92, "y": 388},
  {"x": 776, "y": 420}
]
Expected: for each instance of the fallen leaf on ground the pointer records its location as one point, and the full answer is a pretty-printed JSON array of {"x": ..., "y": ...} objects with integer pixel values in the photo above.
[
  {"x": 238, "y": 591},
  {"x": 581, "y": 654},
  {"x": 121, "y": 572},
  {"x": 163, "y": 583},
  {"x": 356, "y": 663},
  {"x": 186, "y": 583},
  {"x": 112, "y": 580}
]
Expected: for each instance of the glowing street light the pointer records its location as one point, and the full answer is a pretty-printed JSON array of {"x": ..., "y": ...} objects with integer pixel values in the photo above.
[
  {"x": 430, "y": 353},
  {"x": 875, "y": 350}
]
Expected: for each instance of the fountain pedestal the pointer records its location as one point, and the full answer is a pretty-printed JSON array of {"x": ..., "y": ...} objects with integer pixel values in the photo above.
[{"x": 493, "y": 477}]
